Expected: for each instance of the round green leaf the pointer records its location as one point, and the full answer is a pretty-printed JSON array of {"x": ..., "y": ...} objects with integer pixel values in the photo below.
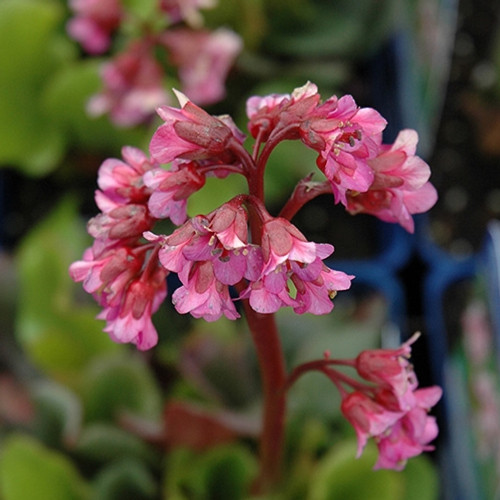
[{"x": 28, "y": 470}]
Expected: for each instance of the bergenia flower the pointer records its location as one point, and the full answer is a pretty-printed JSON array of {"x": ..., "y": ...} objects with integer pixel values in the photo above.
[
  {"x": 185, "y": 10},
  {"x": 400, "y": 186},
  {"x": 133, "y": 87},
  {"x": 94, "y": 23},
  {"x": 393, "y": 411},
  {"x": 190, "y": 133},
  {"x": 293, "y": 273},
  {"x": 203, "y": 59},
  {"x": 170, "y": 190}
]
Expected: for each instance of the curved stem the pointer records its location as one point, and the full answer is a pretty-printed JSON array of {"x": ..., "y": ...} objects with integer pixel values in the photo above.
[{"x": 305, "y": 191}]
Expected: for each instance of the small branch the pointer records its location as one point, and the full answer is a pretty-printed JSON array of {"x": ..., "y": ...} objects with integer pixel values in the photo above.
[{"x": 305, "y": 191}]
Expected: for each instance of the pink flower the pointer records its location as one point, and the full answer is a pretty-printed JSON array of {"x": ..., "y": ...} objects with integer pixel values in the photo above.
[
  {"x": 94, "y": 23},
  {"x": 191, "y": 133},
  {"x": 400, "y": 186},
  {"x": 293, "y": 273},
  {"x": 122, "y": 181},
  {"x": 133, "y": 87},
  {"x": 410, "y": 435},
  {"x": 170, "y": 190},
  {"x": 203, "y": 59},
  {"x": 185, "y": 10},
  {"x": 130, "y": 321},
  {"x": 202, "y": 295},
  {"x": 277, "y": 111},
  {"x": 367, "y": 417},
  {"x": 388, "y": 368},
  {"x": 393, "y": 411},
  {"x": 351, "y": 136}
]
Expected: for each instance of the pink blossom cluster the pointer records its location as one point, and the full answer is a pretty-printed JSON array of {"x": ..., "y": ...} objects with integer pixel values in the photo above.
[
  {"x": 240, "y": 245},
  {"x": 134, "y": 78},
  {"x": 240, "y": 252},
  {"x": 386, "y": 404}
]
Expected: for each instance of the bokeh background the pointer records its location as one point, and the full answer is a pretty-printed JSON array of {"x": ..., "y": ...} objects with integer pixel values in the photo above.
[{"x": 81, "y": 417}]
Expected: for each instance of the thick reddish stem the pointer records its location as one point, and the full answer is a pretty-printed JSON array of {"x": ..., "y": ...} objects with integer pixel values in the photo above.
[{"x": 272, "y": 368}]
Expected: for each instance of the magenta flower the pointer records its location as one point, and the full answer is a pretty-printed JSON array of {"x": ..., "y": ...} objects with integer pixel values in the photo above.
[
  {"x": 204, "y": 59},
  {"x": 170, "y": 190},
  {"x": 191, "y": 133},
  {"x": 130, "y": 320},
  {"x": 94, "y": 23},
  {"x": 410, "y": 435},
  {"x": 388, "y": 368},
  {"x": 133, "y": 87},
  {"x": 202, "y": 295},
  {"x": 122, "y": 181},
  {"x": 367, "y": 417},
  {"x": 281, "y": 111},
  {"x": 400, "y": 187},
  {"x": 185, "y": 10},
  {"x": 293, "y": 273}
]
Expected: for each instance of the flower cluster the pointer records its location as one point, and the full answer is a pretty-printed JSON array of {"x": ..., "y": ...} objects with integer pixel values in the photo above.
[
  {"x": 386, "y": 405},
  {"x": 240, "y": 252},
  {"x": 172, "y": 35},
  {"x": 392, "y": 410}
]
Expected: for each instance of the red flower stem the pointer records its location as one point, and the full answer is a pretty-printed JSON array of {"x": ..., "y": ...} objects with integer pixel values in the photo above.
[
  {"x": 305, "y": 191},
  {"x": 273, "y": 377}
]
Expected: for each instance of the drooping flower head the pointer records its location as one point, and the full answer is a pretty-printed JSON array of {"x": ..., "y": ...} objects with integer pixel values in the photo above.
[{"x": 400, "y": 186}]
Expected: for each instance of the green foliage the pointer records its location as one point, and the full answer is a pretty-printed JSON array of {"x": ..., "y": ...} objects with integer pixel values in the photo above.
[
  {"x": 58, "y": 334},
  {"x": 30, "y": 51},
  {"x": 125, "y": 479},
  {"x": 65, "y": 100},
  {"x": 104, "y": 443},
  {"x": 222, "y": 473},
  {"x": 339, "y": 476},
  {"x": 29, "y": 470},
  {"x": 116, "y": 384}
]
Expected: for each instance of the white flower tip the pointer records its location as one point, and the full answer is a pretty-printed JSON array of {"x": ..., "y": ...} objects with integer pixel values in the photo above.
[{"x": 182, "y": 98}]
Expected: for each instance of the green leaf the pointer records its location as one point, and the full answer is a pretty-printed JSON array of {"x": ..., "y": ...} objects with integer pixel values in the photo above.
[
  {"x": 224, "y": 472},
  {"x": 65, "y": 101},
  {"x": 123, "y": 383},
  {"x": 58, "y": 334},
  {"x": 340, "y": 476},
  {"x": 105, "y": 443},
  {"x": 59, "y": 413},
  {"x": 125, "y": 480},
  {"x": 30, "y": 50},
  {"x": 28, "y": 470}
]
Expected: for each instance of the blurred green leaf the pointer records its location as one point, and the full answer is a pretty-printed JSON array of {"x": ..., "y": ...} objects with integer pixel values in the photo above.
[
  {"x": 125, "y": 479},
  {"x": 340, "y": 476},
  {"x": 30, "y": 51},
  {"x": 105, "y": 443},
  {"x": 222, "y": 473},
  {"x": 58, "y": 334},
  {"x": 59, "y": 413},
  {"x": 65, "y": 101},
  {"x": 28, "y": 470},
  {"x": 123, "y": 383}
]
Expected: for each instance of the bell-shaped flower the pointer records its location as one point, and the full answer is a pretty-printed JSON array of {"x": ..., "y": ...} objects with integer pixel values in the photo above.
[
  {"x": 191, "y": 133},
  {"x": 400, "y": 187},
  {"x": 202, "y": 295},
  {"x": 170, "y": 190},
  {"x": 122, "y": 180}
]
